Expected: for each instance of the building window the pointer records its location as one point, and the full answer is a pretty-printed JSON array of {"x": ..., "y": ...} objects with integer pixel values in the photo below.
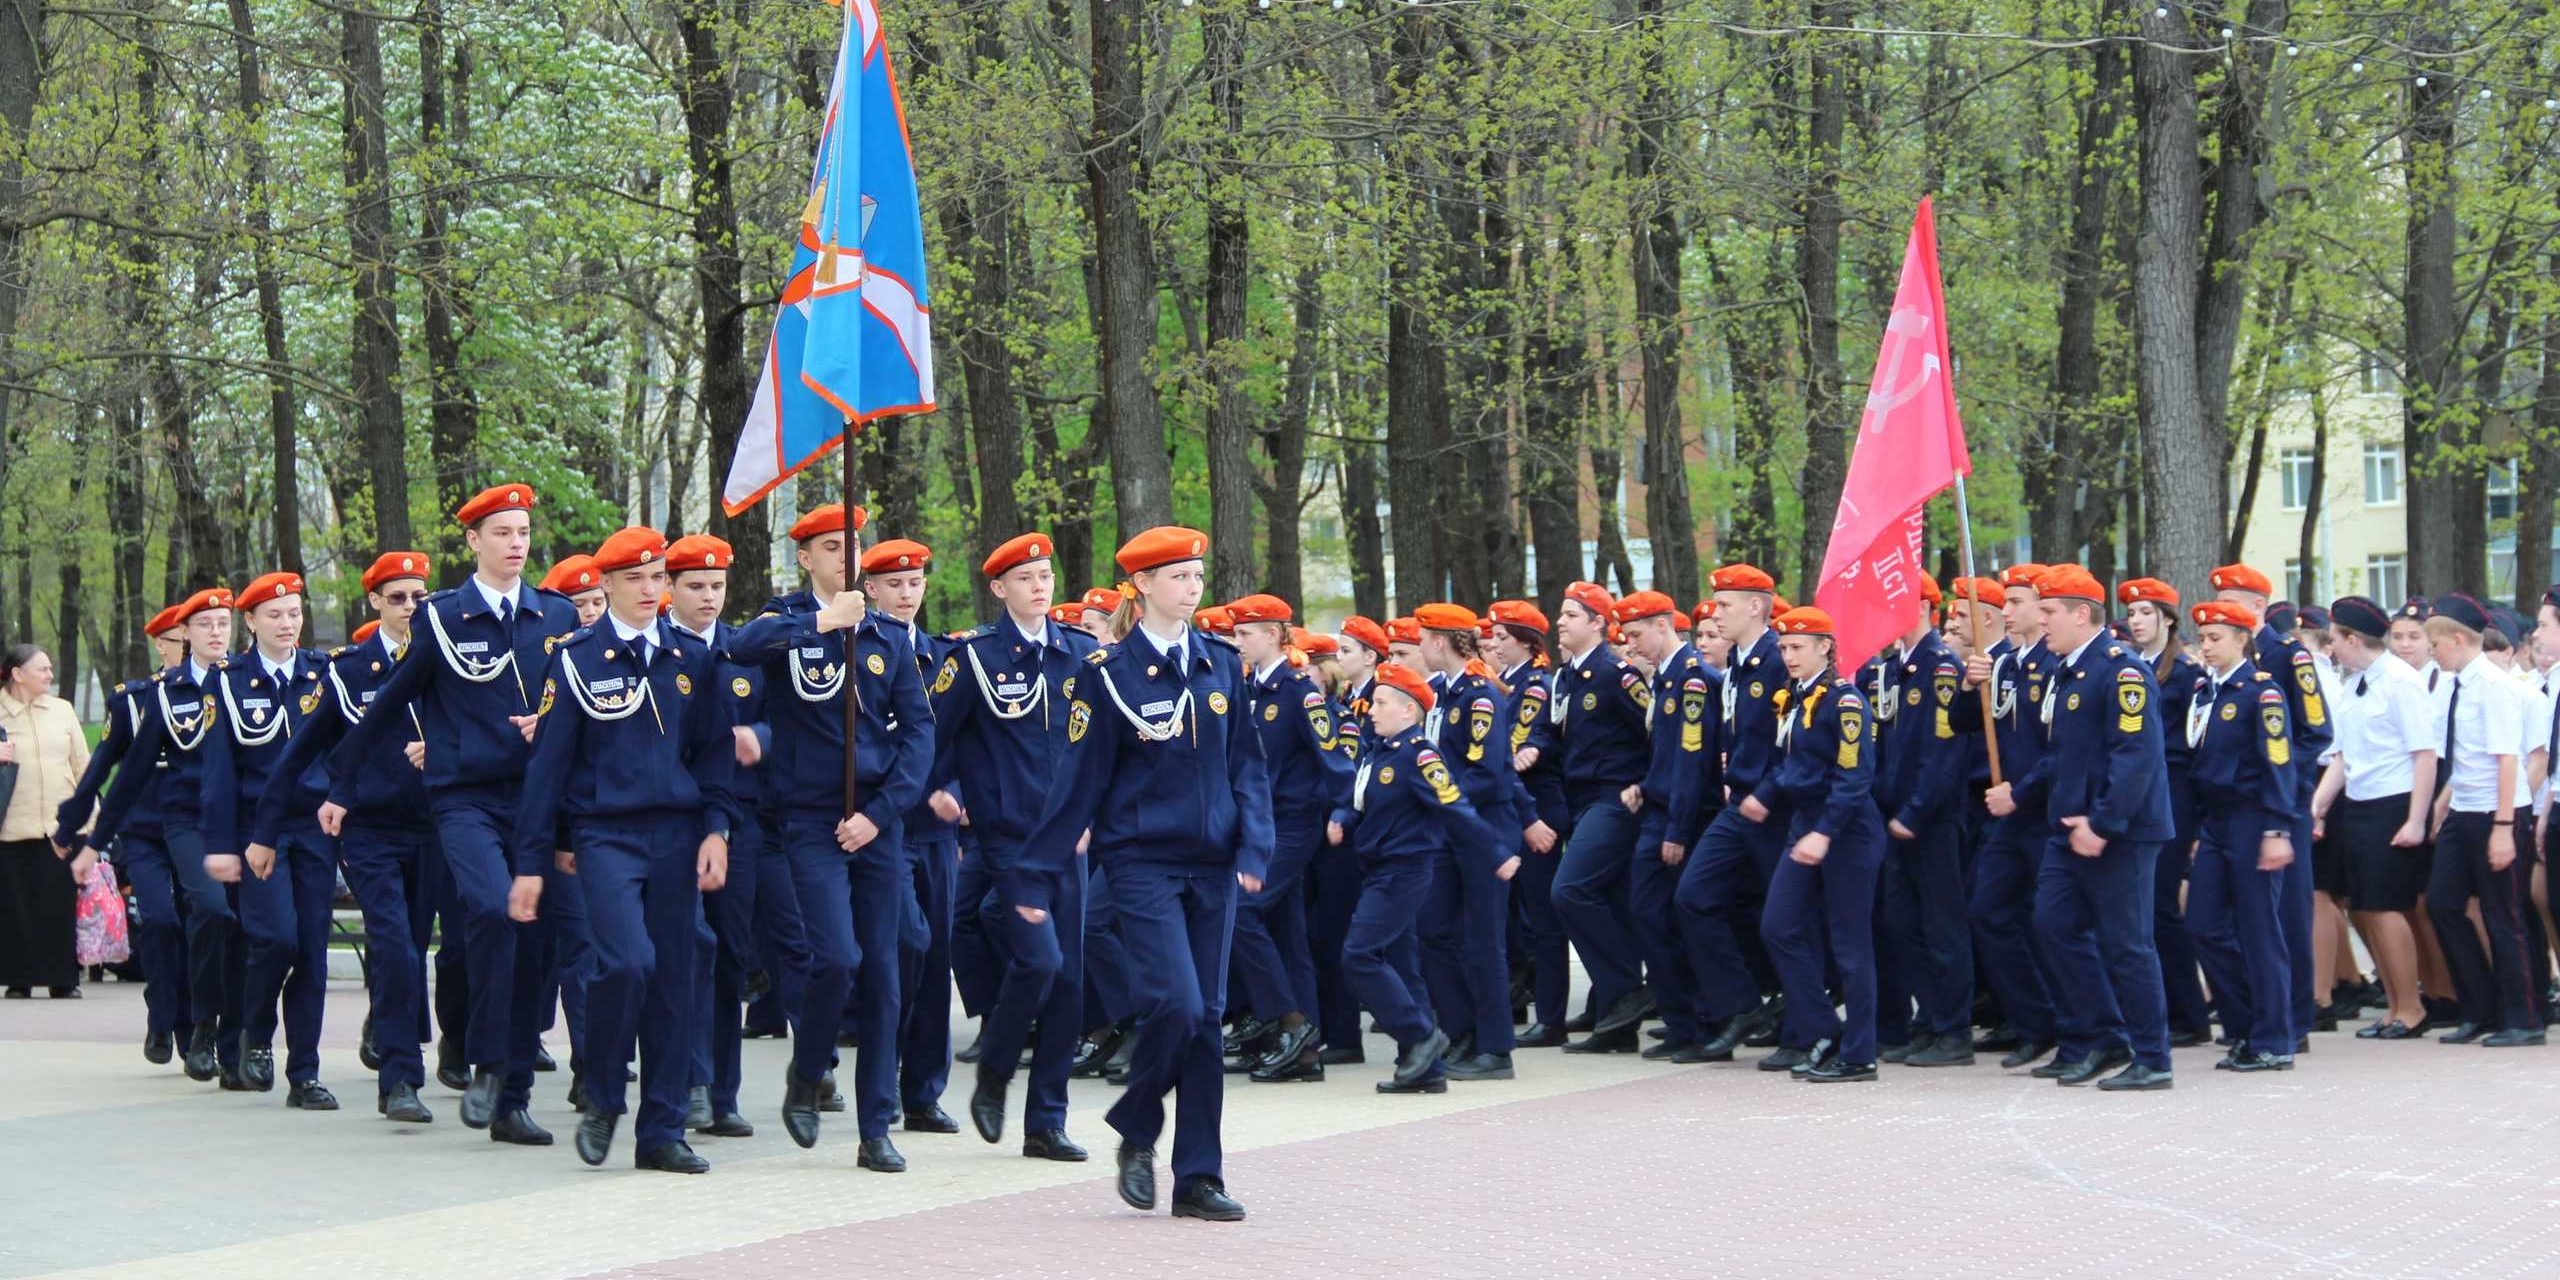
[
  {"x": 2293, "y": 467},
  {"x": 2375, "y": 378},
  {"x": 2386, "y": 580},
  {"x": 2382, "y": 475},
  {"x": 2502, "y": 573},
  {"x": 2295, "y": 588},
  {"x": 2502, "y": 490}
]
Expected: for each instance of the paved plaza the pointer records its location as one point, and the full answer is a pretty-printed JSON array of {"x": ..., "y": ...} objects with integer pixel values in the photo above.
[{"x": 2371, "y": 1160}]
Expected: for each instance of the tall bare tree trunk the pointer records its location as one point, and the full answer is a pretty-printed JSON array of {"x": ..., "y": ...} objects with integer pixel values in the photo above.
[
  {"x": 1417, "y": 400},
  {"x": 285, "y": 502},
  {"x": 374, "y": 358},
  {"x": 1551, "y": 463},
  {"x": 2186, "y": 497},
  {"x": 1232, "y": 567},
  {"x": 443, "y": 130},
  {"x": 2447, "y": 543},
  {"x": 1360, "y": 527},
  {"x": 22, "y": 55},
  {"x": 1828, "y": 419},
  {"x": 709, "y": 101},
  {"x": 1284, "y": 499},
  {"x": 2539, "y": 486},
  {"x": 1141, "y": 468},
  {"x": 2065, "y": 507},
  {"x": 2241, "y": 139}
]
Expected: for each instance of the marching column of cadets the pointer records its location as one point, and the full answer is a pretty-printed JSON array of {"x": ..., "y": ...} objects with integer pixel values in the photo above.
[{"x": 1161, "y": 842}]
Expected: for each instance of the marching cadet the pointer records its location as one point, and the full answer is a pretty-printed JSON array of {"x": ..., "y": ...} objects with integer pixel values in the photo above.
[
  {"x": 1713, "y": 649},
  {"x": 1600, "y": 709},
  {"x": 2151, "y": 619},
  {"x": 893, "y": 576},
  {"x": 1093, "y": 613},
  {"x": 1822, "y": 899},
  {"x": 1406, "y": 815},
  {"x": 2103, "y": 788},
  {"x": 163, "y": 997},
  {"x": 2477, "y": 822},
  {"x": 1919, "y": 787},
  {"x": 1404, "y": 642},
  {"x": 155, "y": 806},
  {"x": 2002, "y": 906},
  {"x": 1466, "y": 912},
  {"x": 1683, "y": 790},
  {"x": 1153, "y": 728},
  {"x": 576, "y": 577},
  {"x": 2282, "y": 657},
  {"x": 855, "y": 885},
  {"x": 1518, "y": 650},
  {"x": 1725, "y": 880},
  {"x": 385, "y": 856},
  {"x": 471, "y": 692},
  {"x": 1000, "y": 717},
  {"x": 631, "y": 760},
  {"x": 1309, "y": 779},
  {"x": 2242, "y": 774},
  {"x": 1335, "y": 877},
  {"x": 2373, "y": 800},
  {"x": 264, "y": 696}
]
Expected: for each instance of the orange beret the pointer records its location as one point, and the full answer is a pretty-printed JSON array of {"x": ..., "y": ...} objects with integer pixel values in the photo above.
[
  {"x": 268, "y": 588},
  {"x": 1404, "y": 630},
  {"x": 1314, "y": 644},
  {"x": 2216, "y": 613},
  {"x": 2021, "y": 575},
  {"x": 1981, "y": 591},
  {"x": 1519, "y": 613},
  {"x": 364, "y": 633},
  {"x": 1591, "y": 596},
  {"x": 1161, "y": 546},
  {"x": 1017, "y": 552},
  {"x": 1407, "y": 681},
  {"x": 1444, "y": 617},
  {"x": 1781, "y": 604},
  {"x": 2240, "y": 577},
  {"x": 631, "y": 548},
  {"x": 896, "y": 555},
  {"x": 1101, "y": 600},
  {"x": 1067, "y": 615},
  {"x": 1929, "y": 591},
  {"x": 699, "y": 551},
  {"x": 1643, "y": 604},
  {"x": 1741, "y": 577},
  {"x": 491, "y": 501},
  {"x": 2069, "y": 582},
  {"x": 1366, "y": 634},
  {"x": 202, "y": 601},
  {"x": 1217, "y": 620},
  {"x": 393, "y": 565},
  {"x": 163, "y": 622},
  {"x": 826, "y": 519},
  {"x": 1616, "y": 637},
  {"x": 1259, "y": 608},
  {"x": 2146, "y": 590},
  {"x": 1706, "y": 609},
  {"x": 1807, "y": 621},
  {"x": 574, "y": 575}
]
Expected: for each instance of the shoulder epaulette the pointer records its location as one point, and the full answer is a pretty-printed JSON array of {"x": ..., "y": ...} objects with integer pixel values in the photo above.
[
  {"x": 341, "y": 650},
  {"x": 1221, "y": 641},
  {"x": 2261, "y": 675},
  {"x": 1101, "y": 655},
  {"x": 2115, "y": 651}
]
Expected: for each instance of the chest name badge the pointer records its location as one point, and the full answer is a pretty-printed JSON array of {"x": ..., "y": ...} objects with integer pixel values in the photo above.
[{"x": 472, "y": 646}]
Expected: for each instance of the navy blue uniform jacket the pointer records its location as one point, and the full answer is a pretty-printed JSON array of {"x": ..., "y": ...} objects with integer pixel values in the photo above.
[
  {"x": 465, "y": 672},
  {"x": 620, "y": 742}
]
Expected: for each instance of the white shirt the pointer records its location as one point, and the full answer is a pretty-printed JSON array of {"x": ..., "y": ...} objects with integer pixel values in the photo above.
[
  {"x": 280, "y": 675},
  {"x": 633, "y": 635},
  {"x": 672, "y": 624},
  {"x": 2384, "y": 717},
  {"x": 496, "y": 597},
  {"x": 1035, "y": 635},
  {"x": 2488, "y": 722},
  {"x": 1174, "y": 649}
]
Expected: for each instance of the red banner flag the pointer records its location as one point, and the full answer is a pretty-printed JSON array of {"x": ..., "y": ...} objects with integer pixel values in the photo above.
[{"x": 1910, "y": 446}]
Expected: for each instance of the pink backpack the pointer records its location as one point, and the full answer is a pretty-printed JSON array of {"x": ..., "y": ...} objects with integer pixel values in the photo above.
[{"x": 100, "y": 923}]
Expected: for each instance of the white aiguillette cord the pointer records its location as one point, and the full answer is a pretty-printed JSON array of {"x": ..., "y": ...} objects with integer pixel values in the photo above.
[
  {"x": 1014, "y": 710},
  {"x": 1147, "y": 729},
  {"x": 240, "y": 731},
  {"x": 179, "y": 732}
]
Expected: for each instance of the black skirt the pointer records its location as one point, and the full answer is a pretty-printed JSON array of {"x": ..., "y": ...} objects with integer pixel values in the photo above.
[{"x": 37, "y": 900}]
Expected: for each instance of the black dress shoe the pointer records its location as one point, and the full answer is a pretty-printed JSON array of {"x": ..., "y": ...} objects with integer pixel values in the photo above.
[
  {"x": 258, "y": 1067},
  {"x": 2026, "y": 1052},
  {"x": 1626, "y": 1011},
  {"x": 480, "y": 1101},
  {"x": 203, "y": 1062},
  {"x": 595, "y": 1136},
  {"x": 829, "y": 1100},
  {"x": 516, "y": 1128},
  {"x": 730, "y": 1124},
  {"x": 542, "y": 1059},
  {"x": 1294, "y": 1043},
  {"x": 20, "y": 993},
  {"x": 2464, "y": 1033},
  {"x": 1207, "y": 1200},
  {"x": 1822, "y": 1051},
  {"x": 2059, "y": 1067},
  {"x": 2137, "y": 1079},
  {"x": 1838, "y": 1070},
  {"x": 63, "y": 993},
  {"x": 1306, "y": 1068},
  {"x": 1137, "y": 1182},
  {"x": 1436, "y": 1082},
  {"x": 671, "y": 1157},
  {"x": 1731, "y": 1036},
  {"x": 1998, "y": 1040},
  {"x": 234, "y": 1081},
  {"x": 400, "y": 1104},
  {"x": 158, "y": 1047},
  {"x": 1249, "y": 1036},
  {"x": 2095, "y": 1065},
  {"x": 1897, "y": 1053},
  {"x": 311, "y": 1095},
  {"x": 2512, "y": 1039},
  {"x": 1053, "y": 1144},
  {"x": 1663, "y": 1051},
  {"x": 1538, "y": 1035},
  {"x": 1657, "y": 1033},
  {"x": 1945, "y": 1051},
  {"x": 578, "y": 1093},
  {"x": 1770, "y": 1019},
  {"x": 879, "y": 1155},
  {"x": 1116, "y": 1071},
  {"x": 986, "y": 1105},
  {"x": 1094, "y": 1052},
  {"x": 977, "y": 1046},
  {"x": 1339, "y": 1055},
  {"x": 930, "y": 1118},
  {"x": 1479, "y": 1066},
  {"x": 2392, "y": 1030},
  {"x": 1580, "y": 1023},
  {"x": 1785, "y": 1060},
  {"x": 451, "y": 1071},
  {"x": 2253, "y": 1061},
  {"x": 367, "y": 1052},
  {"x": 1424, "y": 1058},
  {"x": 1622, "y": 1040},
  {"x": 697, "y": 1108},
  {"x": 799, "y": 1108},
  {"x": 1692, "y": 1054},
  {"x": 2189, "y": 1038}
]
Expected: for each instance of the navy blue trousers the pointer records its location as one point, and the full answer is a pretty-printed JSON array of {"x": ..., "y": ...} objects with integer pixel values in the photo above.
[
  {"x": 507, "y": 962},
  {"x": 284, "y": 921},
  {"x": 1928, "y": 943},
  {"x": 1591, "y": 898},
  {"x": 1723, "y": 886},
  {"x": 924, "y": 1049},
  {"x": 182, "y": 950},
  {"x": 1106, "y": 963},
  {"x": 2234, "y": 915},
  {"x": 977, "y": 957},
  {"x": 1177, "y": 923},
  {"x": 1653, "y": 890},
  {"x": 1043, "y": 986},
  {"x": 643, "y": 917},
  {"x": 856, "y": 907},
  {"x": 2295, "y": 910},
  {"x": 1819, "y": 920},
  {"x": 1333, "y": 890},
  {"x": 1392, "y": 891},
  {"x": 2003, "y": 910},
  {"x": 387, "y": 870},
  {"x": 1465, "y": 964},
  {"x": 2181, "y": 979},
  {"x": 1274, "y": 962},
  {"x": 1542, "y": 938},
  {"x": 2093, "y": 917}
]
